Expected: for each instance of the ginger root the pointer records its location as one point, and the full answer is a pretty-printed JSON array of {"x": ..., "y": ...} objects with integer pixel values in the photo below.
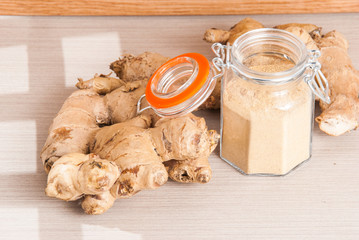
[
  {"x": 98, "y": 204},
  {"x": 129, "y": 157},
  {"x": 101, "y": 84},
  {"x": 132, "y": 68},
  {"x": 214, "y": 35},
  {"x": 74, "y": 126},
  {"x": 129, "y": 145},
  {"x": 342, "y": 115},
  {"x": 140, "y": 152},
  {"x": 87, "y": 159},
  {"x": 77, "y": 174},
  {"x": 303, "y": 35},
  {"x": 192, "y": 170},
  {"x": 84, "y": 111},
  {"x": 309, "y": 28}
]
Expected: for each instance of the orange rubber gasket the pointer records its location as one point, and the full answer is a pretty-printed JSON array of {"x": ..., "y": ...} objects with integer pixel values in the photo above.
[{"x": 196, "y": 85}]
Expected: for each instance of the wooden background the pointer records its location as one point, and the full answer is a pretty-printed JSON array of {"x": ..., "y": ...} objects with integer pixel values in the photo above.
[
  {"x": 173, "y": 7},
  {"x": 40, "y": 60}
]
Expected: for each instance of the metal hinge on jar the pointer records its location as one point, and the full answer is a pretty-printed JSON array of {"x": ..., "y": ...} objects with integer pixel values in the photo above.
[
  {"x": 222, "y": 59},
  {"x": 316, "y": 79}
]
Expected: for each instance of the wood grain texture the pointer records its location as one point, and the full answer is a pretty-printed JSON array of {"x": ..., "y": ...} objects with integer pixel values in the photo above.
[
  {"x": 40, "y": 60},
  {"x": 174, "y": 7}
]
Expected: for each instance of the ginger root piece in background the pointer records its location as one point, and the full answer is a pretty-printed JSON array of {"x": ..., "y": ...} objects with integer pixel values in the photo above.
[
  {"x": 303, "y": 35},
  {"x": 101, "y": 84},
  {"x": 309, "y": 28},
  {"x": 342, "y": 115},
  {"x": 132, "y": 68},
  {"x": 214, "y": 35}
]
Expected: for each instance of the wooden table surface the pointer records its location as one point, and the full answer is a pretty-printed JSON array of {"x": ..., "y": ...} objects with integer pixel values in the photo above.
[
  {"x": 173, "y": 7},
  {"x": 40, "y": 59}
]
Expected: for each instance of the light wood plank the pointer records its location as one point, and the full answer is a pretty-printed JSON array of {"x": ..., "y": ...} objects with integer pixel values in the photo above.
[{"x": 173, "y": 7}]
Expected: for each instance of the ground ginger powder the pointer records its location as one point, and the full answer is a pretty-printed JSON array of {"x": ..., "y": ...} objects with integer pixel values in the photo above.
[{"x": 266, "y": 129}]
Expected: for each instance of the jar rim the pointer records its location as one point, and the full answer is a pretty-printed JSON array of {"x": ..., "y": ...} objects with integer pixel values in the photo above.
[{"x": 277, "y": 35}]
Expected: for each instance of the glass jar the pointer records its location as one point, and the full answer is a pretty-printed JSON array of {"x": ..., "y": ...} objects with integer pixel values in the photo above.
[
  {"x": 267, "y": 101},
  {"x": 268, "y": 81}
]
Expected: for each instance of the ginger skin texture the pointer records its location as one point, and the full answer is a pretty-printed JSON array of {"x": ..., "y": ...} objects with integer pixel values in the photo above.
[
  {"x": 214, "y": 35},
  {"x": 132, "y": 68},
  {"x": 77, "y": 174},
  {"x": 307, "y": 27},
  {"x": 131, "y": 157},
  {"x": 99, "y": 150},
  {"x": 142, "y": 154},
  {"x": 83, "y": 112},
  {"x": 342, "y": 114},
  {"x": 74, "y": 126},
  {"x": 194, "y": 170}
]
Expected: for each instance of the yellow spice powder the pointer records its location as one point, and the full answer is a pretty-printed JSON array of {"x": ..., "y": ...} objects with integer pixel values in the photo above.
[{"x": 266, "y": 130}]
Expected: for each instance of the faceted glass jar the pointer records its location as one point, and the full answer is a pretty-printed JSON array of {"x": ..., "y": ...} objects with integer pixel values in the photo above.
[{"x": 267, "y": 107}]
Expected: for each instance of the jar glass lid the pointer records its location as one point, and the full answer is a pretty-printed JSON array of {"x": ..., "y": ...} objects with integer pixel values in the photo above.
[{"x": 179, "y": 86}]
